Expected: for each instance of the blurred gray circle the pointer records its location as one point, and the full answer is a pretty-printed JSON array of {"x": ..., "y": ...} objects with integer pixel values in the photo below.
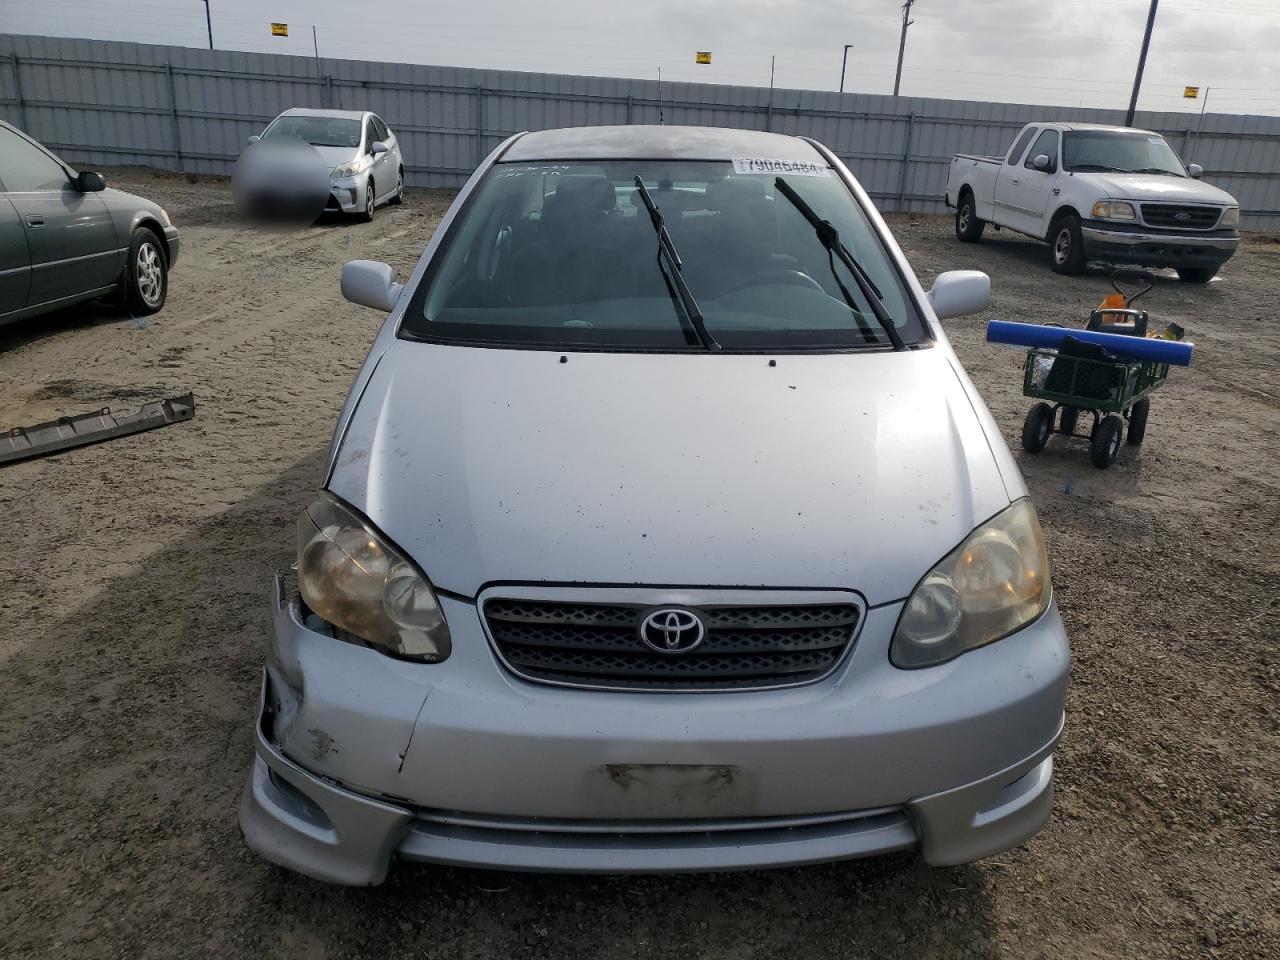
[{"x": 281, "y": 180}]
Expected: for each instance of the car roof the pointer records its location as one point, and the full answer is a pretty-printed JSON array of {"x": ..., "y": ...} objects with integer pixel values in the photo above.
[
  {"x": 657, "y": 142},
  {"x": 1107, "y": 127},
  {"x": 311, "y": 112}
]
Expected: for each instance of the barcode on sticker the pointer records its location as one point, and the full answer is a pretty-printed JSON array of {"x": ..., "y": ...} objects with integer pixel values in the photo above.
[{"x": 767, "y": 167}]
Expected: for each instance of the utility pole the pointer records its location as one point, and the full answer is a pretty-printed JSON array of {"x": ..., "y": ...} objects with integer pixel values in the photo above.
[
  {"x": 1200, "y": 123},
  {"x": 1142, "y": 63},
  {"x": 208, "y": 22},
  {"x": 902, "y": 43},
  {"x": 661, "y": 118},
  {"x": 844, "y": 62}
]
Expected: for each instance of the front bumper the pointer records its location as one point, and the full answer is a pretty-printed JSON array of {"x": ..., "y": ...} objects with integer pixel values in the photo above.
[
  {"x": 172, "y": 242},
  {"x": 1145, "y": 247},
  {"x": 461, "y": 763},
  {"x": 346, "y": 195}
]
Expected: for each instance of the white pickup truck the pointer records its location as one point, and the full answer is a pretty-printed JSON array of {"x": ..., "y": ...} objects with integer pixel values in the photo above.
[{"x": 1093, "y": 192}]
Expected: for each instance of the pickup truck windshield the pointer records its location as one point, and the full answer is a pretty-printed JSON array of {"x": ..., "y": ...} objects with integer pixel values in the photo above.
[
  {"x": 317, "y": 131},
  {"x": 563, "y": 255},
  {"x": 1114, "y": 152}
]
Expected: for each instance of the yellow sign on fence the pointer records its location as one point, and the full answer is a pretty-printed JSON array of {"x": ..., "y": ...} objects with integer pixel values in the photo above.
[
  {"x": 279, "y": 29},
  {"x": 702, "y": 56},
  {"x": 1190, "y": 93}
]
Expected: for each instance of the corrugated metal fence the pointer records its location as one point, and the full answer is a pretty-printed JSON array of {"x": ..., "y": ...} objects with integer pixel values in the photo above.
[{"x": 179, "y": 108}]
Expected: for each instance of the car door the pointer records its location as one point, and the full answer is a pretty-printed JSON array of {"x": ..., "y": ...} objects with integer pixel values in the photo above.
[
  {"x": 71, "y": 239},
  {"x": 394, "y": 158},
  {"x": 15, "y": 263},
  {"x": 384, "y": 176},
  {"x": 1023, "y": 191}
]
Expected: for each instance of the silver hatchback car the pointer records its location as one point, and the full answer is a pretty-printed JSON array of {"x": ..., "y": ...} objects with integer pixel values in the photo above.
[
  {"x": 367, "y": 165},
  {"x": 661, "y": 530}
]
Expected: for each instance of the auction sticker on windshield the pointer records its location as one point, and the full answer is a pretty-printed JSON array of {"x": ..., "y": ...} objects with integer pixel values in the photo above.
[{"x": 795, "y": 168}]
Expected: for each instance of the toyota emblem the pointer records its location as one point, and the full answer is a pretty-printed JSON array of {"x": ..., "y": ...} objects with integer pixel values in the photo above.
[{"x": 672, "y": 630}]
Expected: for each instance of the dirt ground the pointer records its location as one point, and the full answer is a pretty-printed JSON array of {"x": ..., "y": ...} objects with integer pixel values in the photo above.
[{"x": 135, "y": 612}]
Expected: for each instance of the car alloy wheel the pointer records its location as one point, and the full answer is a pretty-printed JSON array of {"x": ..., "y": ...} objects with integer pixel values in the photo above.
[
  {"x": 149, "y": 274},
  {"x": 1062, "y": 246}
]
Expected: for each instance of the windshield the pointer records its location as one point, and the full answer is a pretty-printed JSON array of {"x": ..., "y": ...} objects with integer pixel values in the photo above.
[
  {"x": 1108, "y": 150},
  {"x": 317, "y": 131},
  {"x": 565, "y": 255}
]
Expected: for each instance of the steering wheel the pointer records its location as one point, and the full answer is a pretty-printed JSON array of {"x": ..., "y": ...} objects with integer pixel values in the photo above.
[{"x": 777, "y": 276}]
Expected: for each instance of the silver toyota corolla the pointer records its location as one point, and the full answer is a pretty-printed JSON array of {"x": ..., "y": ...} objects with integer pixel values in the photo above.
[{"x": 661, "y": 530}]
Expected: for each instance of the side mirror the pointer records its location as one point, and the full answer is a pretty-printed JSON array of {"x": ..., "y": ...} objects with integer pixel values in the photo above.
[
  {"x": 1041, "y": 162},
  {"x": 89, "y": 182},
  {"x": 371, "y": 284},
  {"x": 958, "y": 293},
  {"x": 1195, "y": 170},
  {"x": 378, "y": 147},
  {"x": 255, "y": 138}
]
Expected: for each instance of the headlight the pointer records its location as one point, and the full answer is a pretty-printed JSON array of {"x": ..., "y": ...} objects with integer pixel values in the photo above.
[
  {"x": 994, "y": 583},
  {"x": 351, "y": 576},
  {"x": 1230, "y": 217},
  {"x": 349, "y": 169},
  {"x": 1113, "y": 210}
]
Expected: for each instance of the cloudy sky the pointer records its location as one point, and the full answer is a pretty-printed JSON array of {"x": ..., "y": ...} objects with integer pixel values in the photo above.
[{"x": 1059, "y": 52}]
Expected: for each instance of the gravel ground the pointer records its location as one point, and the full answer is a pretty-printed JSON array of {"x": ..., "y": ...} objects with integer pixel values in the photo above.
[{"x": 137, "y": 575}]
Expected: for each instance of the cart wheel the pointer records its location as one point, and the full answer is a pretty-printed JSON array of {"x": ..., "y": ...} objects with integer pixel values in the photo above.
[
  {"x": 1106, "y": 441},
  {"x": 1067, "y": 423},
  {"x": 1138, "y": 422},
  {"x": 1037, "y": 427}
]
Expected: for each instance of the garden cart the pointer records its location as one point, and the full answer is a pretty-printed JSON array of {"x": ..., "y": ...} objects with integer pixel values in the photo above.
[{"x": 1080, "y": 377}]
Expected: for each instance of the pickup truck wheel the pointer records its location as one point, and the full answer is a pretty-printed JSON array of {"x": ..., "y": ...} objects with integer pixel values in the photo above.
[
  {"x": 1197, "y": 274},
  {"x": 968, "y": 226},
  {"x": 1066, "y": 246}
]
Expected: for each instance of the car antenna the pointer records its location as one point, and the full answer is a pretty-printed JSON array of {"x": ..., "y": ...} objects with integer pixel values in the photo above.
[{"x": 661, "y": 120}]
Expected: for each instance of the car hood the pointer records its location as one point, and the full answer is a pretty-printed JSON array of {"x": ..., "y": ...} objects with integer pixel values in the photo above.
[
  {"x": 1145, "y": 186},
  {"x": 333, "y": 156},
  {"x": 839, "y": 471}
]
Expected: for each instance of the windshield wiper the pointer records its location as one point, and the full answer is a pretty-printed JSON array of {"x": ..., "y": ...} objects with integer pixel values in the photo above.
[
  {"x": 1160, "y": 170},
  {"x": 829, "y": 237},
  {"x": 675, "y": 275},
  {"x": 1099, "y": 167}
]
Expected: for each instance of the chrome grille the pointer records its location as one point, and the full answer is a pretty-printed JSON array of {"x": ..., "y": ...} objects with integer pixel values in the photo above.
[
  {"x": 1180, "y": 216},
  {"x": 598, "y": 644}
]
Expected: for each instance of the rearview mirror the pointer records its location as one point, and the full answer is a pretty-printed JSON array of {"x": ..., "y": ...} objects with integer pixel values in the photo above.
[
  {"x": 371, "y": 284},
  {"x": 958, "y": 293},
  {"x": 1195, "y": 170},
  {"x": 255, "y": 138},
  {"x": 378, "y": 147},
  {"x": 1041, "y": 162},
  {"x": 89, "y": 182}
]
